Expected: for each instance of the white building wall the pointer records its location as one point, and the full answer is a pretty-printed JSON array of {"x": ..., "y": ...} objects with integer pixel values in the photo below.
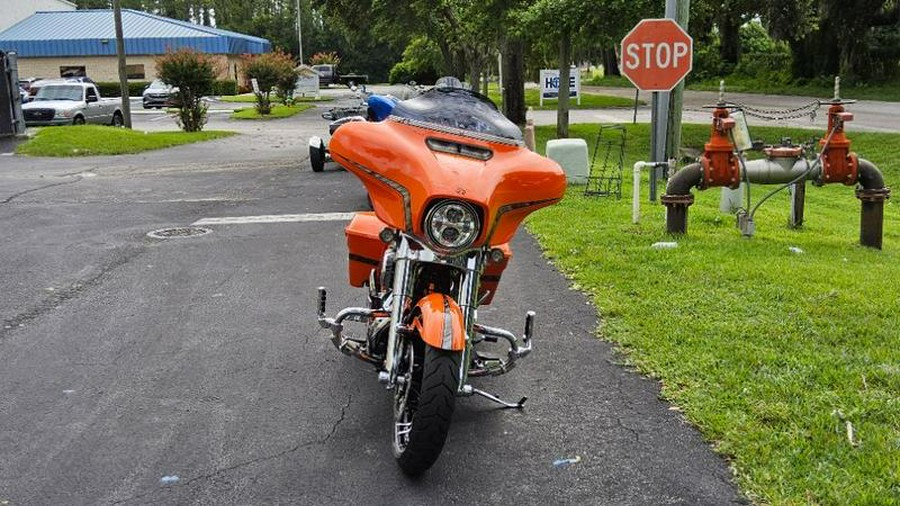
[{"x": 17, "y": 10}]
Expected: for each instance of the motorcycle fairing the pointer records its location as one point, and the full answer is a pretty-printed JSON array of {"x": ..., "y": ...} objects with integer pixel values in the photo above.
[
  {"x": 439, "y": 322},
  {"x": 404, "y": 176}
]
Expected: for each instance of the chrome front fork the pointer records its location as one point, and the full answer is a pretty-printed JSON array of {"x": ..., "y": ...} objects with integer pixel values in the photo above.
[{"x": 400, "y": 301}]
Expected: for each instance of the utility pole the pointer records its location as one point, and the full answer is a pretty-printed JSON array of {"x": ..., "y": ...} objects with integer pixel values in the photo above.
[
  {"x": 682, "y": 17},
  {"x": 123, "y": 72},
  {"x": 299, "y": 35}
]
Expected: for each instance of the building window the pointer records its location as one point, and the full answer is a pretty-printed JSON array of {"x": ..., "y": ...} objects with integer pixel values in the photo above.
[
  {"x": 68, "y": 71},
  {"x": 135, "y": 71}
]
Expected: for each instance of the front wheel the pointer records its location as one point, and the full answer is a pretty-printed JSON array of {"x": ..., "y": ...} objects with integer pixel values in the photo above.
[
  {"x": 423, "y": 406},
  {"x": 317, "y": 158}
]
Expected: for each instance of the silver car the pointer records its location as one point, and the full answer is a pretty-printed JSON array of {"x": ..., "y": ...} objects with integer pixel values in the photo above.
[{"x": 158, "y": 95}]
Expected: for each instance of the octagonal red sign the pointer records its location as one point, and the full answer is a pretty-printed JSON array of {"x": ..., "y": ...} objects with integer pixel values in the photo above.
[{"x": 656, "y": 54}]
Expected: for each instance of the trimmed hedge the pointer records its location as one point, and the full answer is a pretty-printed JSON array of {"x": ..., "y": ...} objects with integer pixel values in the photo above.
[
  {"x": 110, "y": 90},
  {"x": 225, "y": 87},
  {"x": 136, "y": 88}
]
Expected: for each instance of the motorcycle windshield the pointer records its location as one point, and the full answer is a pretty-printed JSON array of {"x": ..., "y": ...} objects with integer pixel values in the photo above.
[{"x": 458, "y": 109}]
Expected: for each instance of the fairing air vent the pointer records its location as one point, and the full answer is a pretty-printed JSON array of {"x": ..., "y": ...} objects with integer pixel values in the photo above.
[{"x": 456, "y": 148}]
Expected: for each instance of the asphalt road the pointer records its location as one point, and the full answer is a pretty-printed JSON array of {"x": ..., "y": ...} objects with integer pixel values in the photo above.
[{"x": 130, "y": 361}]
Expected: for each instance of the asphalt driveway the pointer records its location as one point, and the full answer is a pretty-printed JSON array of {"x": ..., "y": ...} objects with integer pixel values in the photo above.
[{"x": 192, "y": 371}]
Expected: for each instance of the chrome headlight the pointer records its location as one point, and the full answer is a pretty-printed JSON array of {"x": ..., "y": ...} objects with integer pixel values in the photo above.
[{"x": 452, "y": 224}]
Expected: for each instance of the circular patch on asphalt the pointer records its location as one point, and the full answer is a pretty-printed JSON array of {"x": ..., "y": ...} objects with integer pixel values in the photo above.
[{"x": 178, "y": 232}]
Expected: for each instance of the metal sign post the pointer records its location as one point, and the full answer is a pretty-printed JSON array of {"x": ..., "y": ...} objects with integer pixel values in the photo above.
[
  {"x": 656, "y": 55},
  {"x": 659, "y": 122}
]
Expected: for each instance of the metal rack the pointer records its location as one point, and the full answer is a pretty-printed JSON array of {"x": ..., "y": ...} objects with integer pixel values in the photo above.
[{"x": 605, "y": 177}]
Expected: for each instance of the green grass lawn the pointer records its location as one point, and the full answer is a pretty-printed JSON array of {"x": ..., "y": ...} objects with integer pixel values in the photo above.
[
  {"x": 278, "y": 111},
  {"x": 588, "y": 100},
  {"x": 250, "y": 98},
  {"x": 823, "y": 89},
  {"x": 92, "y": 140},
  {"x": 610, "y": 82},
  {"x": 769, "y": 352}
]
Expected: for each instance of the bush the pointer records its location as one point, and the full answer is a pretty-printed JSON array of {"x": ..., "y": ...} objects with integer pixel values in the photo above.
[
  {"x": 707, "y": 64},
  {"x": 194, "y": 74},
  {"x": 421, "y": 63},
  {"x": 774, "y": 68},
  {"x": 325, "y": 58},
  {"x": 272, "y": 71},
  {"x": 225, "y": 87},
  {"x": 112, "y": 90},
  {"x": 401, "y": 72}
]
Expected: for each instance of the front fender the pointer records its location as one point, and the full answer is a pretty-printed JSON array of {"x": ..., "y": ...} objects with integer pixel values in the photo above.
[{"x": 439, "y": 321}]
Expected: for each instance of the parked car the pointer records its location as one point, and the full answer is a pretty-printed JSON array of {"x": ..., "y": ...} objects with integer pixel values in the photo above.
[
  {"x": 23, "y": 95},
  {"x": 158, "y": 95},
  {"x": 71, "y": 103},
  {"x": 328, "y": 74},
  {"x": 26, "y": 83}
]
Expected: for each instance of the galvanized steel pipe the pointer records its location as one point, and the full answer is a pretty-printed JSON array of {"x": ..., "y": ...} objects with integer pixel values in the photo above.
[{"x": 778, "y": 170}]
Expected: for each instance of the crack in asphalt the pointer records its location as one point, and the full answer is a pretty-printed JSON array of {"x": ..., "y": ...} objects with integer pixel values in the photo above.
[
  {"x": 341, "y": 419},
  {"x": 634, "y": 432},
  {"x": 60, "y": 297},
  {"x": 32, "y": 190},
  {"x": 221, "y": 471}
]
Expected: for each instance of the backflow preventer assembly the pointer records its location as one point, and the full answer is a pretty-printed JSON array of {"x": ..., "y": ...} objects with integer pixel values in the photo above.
[{"x": 723, "y": 165}]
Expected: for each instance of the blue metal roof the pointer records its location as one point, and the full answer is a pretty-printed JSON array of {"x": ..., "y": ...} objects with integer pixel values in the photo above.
[{"x": 92, "y": 33}]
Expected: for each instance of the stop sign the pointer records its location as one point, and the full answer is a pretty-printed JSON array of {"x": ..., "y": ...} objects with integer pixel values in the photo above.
[{"x": 657, "y": 54}]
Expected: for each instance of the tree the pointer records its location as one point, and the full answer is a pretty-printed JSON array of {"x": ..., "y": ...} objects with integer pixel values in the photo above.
[
  {"x": 271, "y": 71},
  {"x": 192, "y": 74},
  {"x": 832, "y": 37},
  {"x": 565, "y": 24}
]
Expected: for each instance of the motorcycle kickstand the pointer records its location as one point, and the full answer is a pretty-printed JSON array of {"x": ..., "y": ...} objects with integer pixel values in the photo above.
[{"x": 469, "y": 390}]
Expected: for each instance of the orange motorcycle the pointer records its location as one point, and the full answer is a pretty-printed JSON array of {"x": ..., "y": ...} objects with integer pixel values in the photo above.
[{"x": 450, "y": 182}]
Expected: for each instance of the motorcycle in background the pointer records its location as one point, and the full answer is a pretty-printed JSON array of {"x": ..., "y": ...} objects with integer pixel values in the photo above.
[
  {"x": 374, "y": 108},
  {"x": 450, "y": 182}
]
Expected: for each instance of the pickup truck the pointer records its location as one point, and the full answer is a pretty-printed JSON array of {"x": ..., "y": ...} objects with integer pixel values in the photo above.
[{"x": 71, "y": 103}]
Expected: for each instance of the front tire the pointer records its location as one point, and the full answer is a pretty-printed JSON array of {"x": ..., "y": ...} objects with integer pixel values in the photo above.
[
  {"x": 317, "y": 158},
  {"x": 79, "y": 120},
  {"x": 424, "y": 408}
]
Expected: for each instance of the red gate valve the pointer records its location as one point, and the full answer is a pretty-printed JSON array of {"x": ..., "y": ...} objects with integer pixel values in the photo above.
[
  {"x": 720, "y": 166},
  {"x": 839, "y": 164}
]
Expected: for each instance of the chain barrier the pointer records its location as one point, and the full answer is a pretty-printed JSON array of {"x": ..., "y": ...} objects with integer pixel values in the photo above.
[{"x": 808, "y": 110}]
